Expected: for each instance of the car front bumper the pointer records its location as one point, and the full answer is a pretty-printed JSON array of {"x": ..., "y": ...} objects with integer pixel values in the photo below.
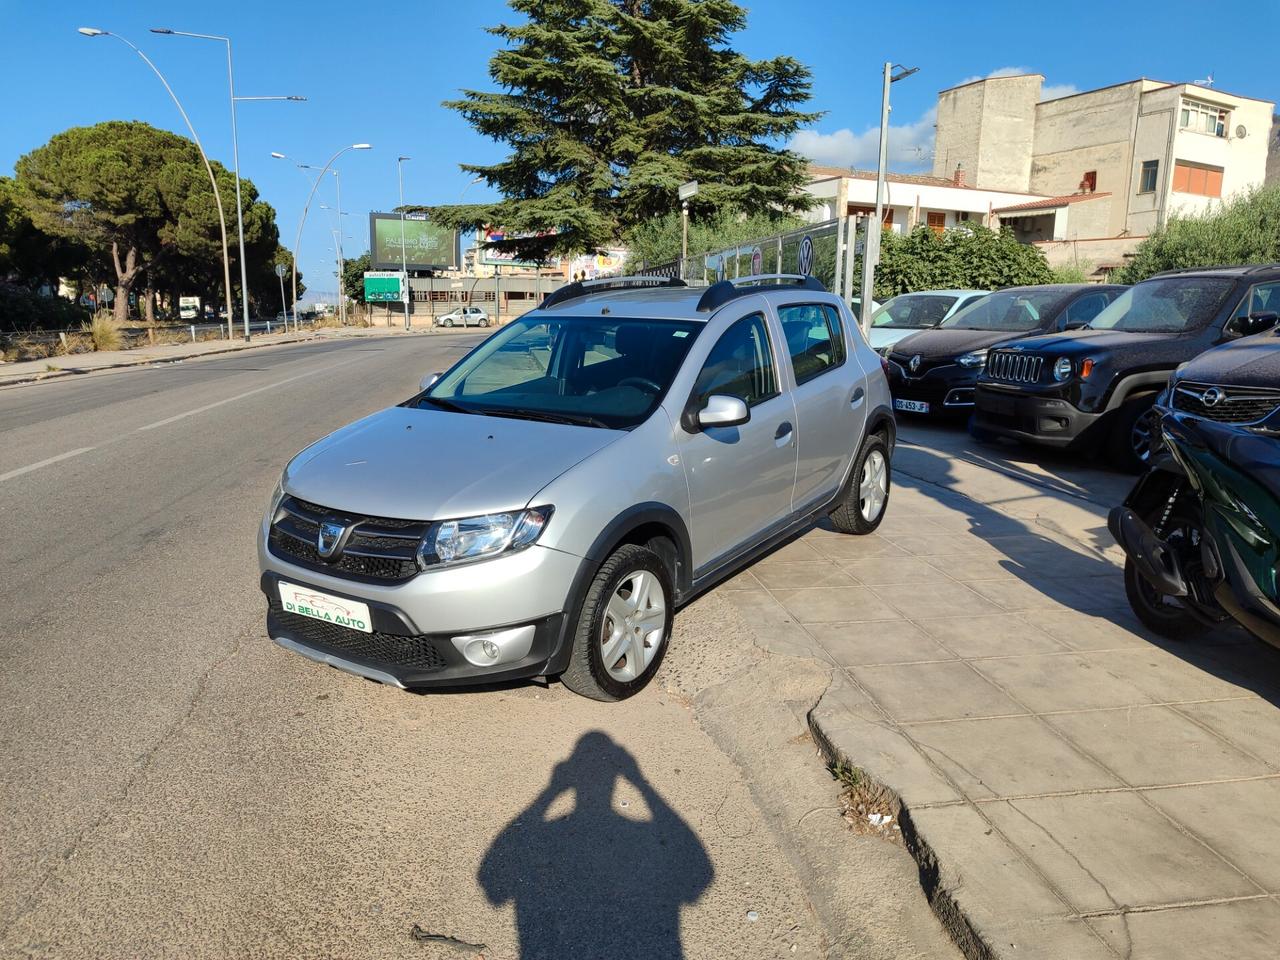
[
  {"x": 947, "y": 389},
  {"x": 433, "y": 630},
  {"x": 1048, "y": 421}
]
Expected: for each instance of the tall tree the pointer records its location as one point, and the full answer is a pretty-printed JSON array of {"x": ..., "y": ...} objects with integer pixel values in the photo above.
[{"x": 609, "y": 105}]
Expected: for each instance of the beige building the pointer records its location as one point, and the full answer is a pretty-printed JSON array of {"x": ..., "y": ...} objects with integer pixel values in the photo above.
[{"x": 1106, "y": 166}]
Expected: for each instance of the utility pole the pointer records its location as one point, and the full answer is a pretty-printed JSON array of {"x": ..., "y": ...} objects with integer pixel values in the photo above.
[{"x": 893, "y": 72}]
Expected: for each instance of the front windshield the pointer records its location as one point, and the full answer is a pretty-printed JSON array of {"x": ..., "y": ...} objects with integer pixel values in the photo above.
[
  {"x": 1014, "y": 311},
  {"x": 913, "y": 311},
  {"x": 1171, "y": 305},
  {"x": 596, "y": 371}
]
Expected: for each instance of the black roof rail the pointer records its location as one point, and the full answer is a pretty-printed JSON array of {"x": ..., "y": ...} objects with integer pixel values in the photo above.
[
  {"x": 580, "y": 288},
  {"x": 721, "y": 292},
  {"x": 1245, "y": 269}
]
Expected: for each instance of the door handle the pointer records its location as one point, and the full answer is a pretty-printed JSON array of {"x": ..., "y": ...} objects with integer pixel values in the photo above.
[
  {"x": 783, "y": 433},
  {"x": 858, "y": 396}
]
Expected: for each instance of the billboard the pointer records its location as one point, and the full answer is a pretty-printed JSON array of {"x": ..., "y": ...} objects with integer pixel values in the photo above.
[
  {"x": 382, "y": 286},
  {"x": 427, "y": 246},
  {"x": 506, "y": 258}
]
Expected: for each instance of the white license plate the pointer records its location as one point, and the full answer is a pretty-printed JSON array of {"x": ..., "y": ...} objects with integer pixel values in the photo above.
[
  {"x": 308, "y": 602},
  {"x": 911, "y": 406}
]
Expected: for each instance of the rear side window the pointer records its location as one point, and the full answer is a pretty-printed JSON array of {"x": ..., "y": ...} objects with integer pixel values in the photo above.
[
  {"x": 739, "y": 365},
  {"x": 815, "y": 340}
]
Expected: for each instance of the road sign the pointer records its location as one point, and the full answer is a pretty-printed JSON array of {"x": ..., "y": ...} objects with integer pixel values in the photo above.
[
  {"x": 281, "y": 270},
  {"x": 806, "y": 255},
  {"x": 381, "y": 286}
]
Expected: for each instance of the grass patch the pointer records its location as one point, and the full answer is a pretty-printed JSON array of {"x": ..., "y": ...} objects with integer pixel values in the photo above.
[
  {"x": 868, "y": 808},
  {"x": 104, "y": 332}
]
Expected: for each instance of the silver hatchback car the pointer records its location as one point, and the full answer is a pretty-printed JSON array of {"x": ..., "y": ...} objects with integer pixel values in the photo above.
[{"x": 542, "y": 508}]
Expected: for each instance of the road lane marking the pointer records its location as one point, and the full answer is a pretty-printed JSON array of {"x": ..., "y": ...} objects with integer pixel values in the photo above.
[
  {"x": 44, "y": 463},
  {"x": 240, "y": 396}
]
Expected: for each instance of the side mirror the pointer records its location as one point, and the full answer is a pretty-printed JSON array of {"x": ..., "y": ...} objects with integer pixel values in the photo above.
[
  {"x": 1075, "y": 324},
  {"x": 428, "y": 381},
  {"x": 1253, "y": 323},
  {"x": 723, "y": 411}
]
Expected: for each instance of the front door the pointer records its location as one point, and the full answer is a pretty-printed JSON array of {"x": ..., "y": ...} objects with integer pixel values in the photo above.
[
  {"x": 740, "y": 478},
  {"x": 831, "y": 403}
]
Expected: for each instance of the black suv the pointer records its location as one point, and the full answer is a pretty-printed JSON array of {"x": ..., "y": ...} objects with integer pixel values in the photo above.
[
  {"x": 935, "y": 371},
  {"x": 1094, "y": 387}
]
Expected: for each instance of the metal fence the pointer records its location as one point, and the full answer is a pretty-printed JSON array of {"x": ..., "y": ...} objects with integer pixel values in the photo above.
[{"x": 824, "y": 250}]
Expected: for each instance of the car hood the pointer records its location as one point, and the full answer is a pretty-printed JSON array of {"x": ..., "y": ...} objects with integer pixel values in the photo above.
[
  {"x": 1116, "y": 347},
  {"x": 881, "y": 337},
  {"x": 1251, "y": 362},
  {"x": 950, "y": 342},
  {"x": 414, "y": 464}
]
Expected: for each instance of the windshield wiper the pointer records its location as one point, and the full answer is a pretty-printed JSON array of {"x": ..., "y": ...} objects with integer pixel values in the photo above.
[
  {"x": 543, "y": 416},
  {"x": 444, "y": 404}
]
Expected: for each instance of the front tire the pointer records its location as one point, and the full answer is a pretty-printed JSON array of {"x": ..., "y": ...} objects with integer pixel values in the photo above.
[
  {"x": 446, "y": 322},
  {"x": 1133, "y": 434},
  {"x": 864, "y": 502},
  {"x": 624, "y": 626}
]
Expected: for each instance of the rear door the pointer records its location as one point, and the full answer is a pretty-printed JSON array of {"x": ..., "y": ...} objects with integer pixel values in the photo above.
[
  {"x": 740, "y": 478},
  {"x": 830, "y": 398}
]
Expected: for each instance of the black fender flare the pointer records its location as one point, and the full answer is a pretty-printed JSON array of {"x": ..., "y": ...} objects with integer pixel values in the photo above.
[
  {"x": 882, "y": 420},
  {"x": 1151, "y": 380}
]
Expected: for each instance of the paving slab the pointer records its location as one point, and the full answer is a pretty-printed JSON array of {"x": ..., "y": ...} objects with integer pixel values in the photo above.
[{"x": 1072, "y": 785}]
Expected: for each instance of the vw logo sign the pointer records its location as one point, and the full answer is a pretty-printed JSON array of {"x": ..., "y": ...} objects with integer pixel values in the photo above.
[
  {"x": 806, "y": 255},
  {"x": 1213, "y": 396},
  {"x": 329, "y": 538},
  {"x": 915, "y": 363}
]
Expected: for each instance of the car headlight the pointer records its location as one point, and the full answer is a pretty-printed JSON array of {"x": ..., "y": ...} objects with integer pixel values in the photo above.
[
  {"x": 478, "y": 538},
  {"x": 1063, "y": 369},
  {"x": 277, "y": 497},
  {"x": 973, "y": 360}
]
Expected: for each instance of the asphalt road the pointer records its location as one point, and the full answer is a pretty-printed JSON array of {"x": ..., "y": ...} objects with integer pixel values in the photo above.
[{"x": 173, "y": 784}]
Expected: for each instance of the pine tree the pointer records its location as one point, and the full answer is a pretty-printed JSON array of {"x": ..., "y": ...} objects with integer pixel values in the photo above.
[{"x": 609, "y": 105}]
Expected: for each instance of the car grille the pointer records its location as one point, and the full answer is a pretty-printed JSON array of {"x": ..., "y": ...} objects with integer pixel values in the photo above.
[
  {"x": 416, "y": 652},
  {"x": 1014, "y": 367},
  {"x": 903, "y": 360},
  {"x": 378, "y": 549},
  {"x": 1226, "y": 404}
]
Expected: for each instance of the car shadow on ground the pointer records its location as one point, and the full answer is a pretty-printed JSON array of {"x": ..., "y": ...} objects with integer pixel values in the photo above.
[
  {"x": 602, "y": 876},
  {"x": 1082, "y": 581}
]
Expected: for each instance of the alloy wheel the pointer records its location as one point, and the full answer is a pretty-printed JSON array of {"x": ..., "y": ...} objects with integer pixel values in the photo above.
[
  {"x": 873, "y": 488},
  {"x": 633, "y": 626},
  {"x": 1142, "y": 436}
]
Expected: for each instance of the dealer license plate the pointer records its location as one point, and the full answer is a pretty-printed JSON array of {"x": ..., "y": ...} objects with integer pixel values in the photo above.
[
  {"x": 911, "y": 406},
  {"x": 308, "y": 602}
]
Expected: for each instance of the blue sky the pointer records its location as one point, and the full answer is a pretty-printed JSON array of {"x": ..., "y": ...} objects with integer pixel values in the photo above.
[{"x": 378, "y": 72}]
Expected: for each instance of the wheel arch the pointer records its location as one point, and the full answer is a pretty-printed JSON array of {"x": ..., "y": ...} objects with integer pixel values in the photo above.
[
  {"x": 1135, "y": 384},
  {"x": 654, "y": 525}
]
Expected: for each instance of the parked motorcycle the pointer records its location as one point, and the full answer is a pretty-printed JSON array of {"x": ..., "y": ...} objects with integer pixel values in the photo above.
[{"x": 1201, "y": 528}]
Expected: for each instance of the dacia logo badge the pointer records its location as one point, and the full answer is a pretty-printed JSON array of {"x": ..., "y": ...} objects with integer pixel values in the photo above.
[
  {"x": 1213, "y": 396},
  {"x": 915, "y": 363},
  {"x": 329, "y": 537}
]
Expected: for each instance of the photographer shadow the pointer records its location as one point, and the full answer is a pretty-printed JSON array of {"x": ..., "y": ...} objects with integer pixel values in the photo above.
[{"x": 595, "y": 882}]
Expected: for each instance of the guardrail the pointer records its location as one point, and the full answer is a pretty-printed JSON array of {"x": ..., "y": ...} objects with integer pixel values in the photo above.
[{"x": 137, "y": 336}]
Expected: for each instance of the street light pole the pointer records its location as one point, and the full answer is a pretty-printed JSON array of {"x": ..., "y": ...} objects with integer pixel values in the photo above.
[
  {"x": 342, "y": 267},
  {"x": 404, "y": 256},
  {"x": 871, "y": 244},
  {"x": 235, "y": 156},
  {"x": 297, "y": 241},
  {"x": 213, "y": 181}
]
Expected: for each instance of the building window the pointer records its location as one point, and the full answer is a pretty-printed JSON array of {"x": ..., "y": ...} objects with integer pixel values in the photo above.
[
  {"x": 937, "y": 221},
  {"x": 1150, "y": 176},
  {"x": 1090, "y": 181},
  {"x": 1195, "y": 178},
  {"x": 1204, "y": 118}
]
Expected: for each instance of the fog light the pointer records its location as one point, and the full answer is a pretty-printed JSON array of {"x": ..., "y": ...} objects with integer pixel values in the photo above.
[
  {"x": 495, "y": 647},
  {"x": 490, "y": 649}
]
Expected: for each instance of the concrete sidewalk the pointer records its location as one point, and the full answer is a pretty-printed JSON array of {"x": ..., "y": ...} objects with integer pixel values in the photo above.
[
  {"x": 1071, "y": 786},
  {"x": 26, "y": 371}
]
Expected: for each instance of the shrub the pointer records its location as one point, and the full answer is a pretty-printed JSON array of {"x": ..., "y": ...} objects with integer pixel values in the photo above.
[
  {"x": 967, "y": 257},
  {"x": 104, "y": 332},
  {"x": 1245, "y": 229},
  {"x": 23, "y": 309},
  {"x": 1075, "y": 272}
]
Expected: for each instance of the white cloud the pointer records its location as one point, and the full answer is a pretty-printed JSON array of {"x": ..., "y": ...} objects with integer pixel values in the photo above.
[{"x": 910, "y": 145}]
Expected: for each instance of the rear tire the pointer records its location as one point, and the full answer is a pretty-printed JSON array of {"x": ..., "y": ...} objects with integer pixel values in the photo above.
[
  {"x": 1164, "y": 615},
  {"x": 484, "y": 323},
  {"x": 1133, "y": 434},
  {"x": 865, "y": 500},
  {"x": 624, "y": 626}
]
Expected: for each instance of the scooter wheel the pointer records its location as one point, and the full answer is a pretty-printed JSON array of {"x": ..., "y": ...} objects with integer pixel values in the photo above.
[{"x": 1163, "y": 614}]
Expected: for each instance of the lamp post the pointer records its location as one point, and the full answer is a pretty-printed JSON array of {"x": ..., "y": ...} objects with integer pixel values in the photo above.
[
  {"x": 893, "y": 72},
  {"x": 297, "y": 241},
  {"x": 235, "y": 156},
  {"x": 404, "y": 257},
  {"x": 213, "y": 181},
  {"x": 685, "y": 192}
]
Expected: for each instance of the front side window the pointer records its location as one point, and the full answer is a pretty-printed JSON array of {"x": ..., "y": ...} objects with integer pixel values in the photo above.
[
  {"x": 914, "y": 311},
  {"x": 1170, "y": 305},
  {"x": 1263, "y": 298},
  {"x": 1086, "y": 308},
  {"x": 1015, "y": 311},
  {"x": 1150, "y": 176},
  {"x": 596, "y": 371},
  {"x": 739, "y": 365},
  {"x": 814, "y": 338}
]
